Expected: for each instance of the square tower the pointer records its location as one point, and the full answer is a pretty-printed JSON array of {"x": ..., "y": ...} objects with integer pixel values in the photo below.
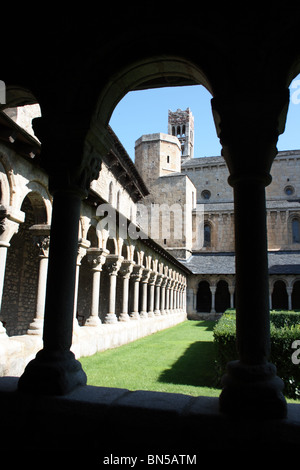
[{"x": 181, "y": 125}]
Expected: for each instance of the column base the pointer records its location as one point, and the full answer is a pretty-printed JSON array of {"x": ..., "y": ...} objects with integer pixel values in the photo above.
[
  {"x": 52, "y": 373},
  {"x": 36, "y": 327},
  {"x": 144, "y": 314},
  {"x": 252, "y": 391},
  {"x": 157, "y": 313},
  {"x": 93, "y": 321},
  {"x": 110, "y": 318},
  {"x": 124, "y": 317},
  {"x": 151, "y": 314},
  {"x": 134, "y": 316}
]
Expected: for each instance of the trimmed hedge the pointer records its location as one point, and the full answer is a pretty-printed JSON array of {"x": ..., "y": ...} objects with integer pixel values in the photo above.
[{"x": 284, "y": 330}]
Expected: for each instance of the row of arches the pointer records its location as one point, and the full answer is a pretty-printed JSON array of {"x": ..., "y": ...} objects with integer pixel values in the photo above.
[
  {"x": 27, "y": 252},
  {"x": 214, "y": 298},
  {"x": 285, "y": 295}
]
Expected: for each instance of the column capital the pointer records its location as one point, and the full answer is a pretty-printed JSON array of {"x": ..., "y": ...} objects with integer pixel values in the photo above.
[
  {"x": 113, "y": 264},
  {"x": 164, "y": 280},
  {"x": 136, "y": 274},
  {"x": 146, "y": 275},
  {"x": 126, "y": 268},
  {"x": 41, "y": 237},
  {"x": 159, "y": 279},
  {"x": 152, "y": 278},
  {"x": 248, "y": 127},
  {"x": 83, "y": 245},
  {"x": 96, "y": 257}
]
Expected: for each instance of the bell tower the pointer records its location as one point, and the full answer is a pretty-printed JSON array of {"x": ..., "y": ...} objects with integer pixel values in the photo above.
[{"x": 181, "y": 125}]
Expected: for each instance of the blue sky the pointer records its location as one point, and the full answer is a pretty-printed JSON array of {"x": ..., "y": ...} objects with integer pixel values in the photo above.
[{"x": 146, "y": 112}]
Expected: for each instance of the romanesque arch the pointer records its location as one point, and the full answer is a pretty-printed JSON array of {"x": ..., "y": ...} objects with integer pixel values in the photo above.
[
  {"x": 222, "y": 301},
  {"x": 22, "y": 267},
  {"x": 203, "y": 297},
  {"x": 279, "y": 295}
]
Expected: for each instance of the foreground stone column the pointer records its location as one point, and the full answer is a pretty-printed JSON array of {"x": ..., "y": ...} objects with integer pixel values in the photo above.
[{"x": 248, "y": 128}]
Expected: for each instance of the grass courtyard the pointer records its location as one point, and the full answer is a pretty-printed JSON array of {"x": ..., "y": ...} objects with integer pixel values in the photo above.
[{"x": 177, "y": 360}]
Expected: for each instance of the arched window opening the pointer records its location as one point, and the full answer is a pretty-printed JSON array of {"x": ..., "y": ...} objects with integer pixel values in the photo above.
[
  {"x": 295, "y": 230},
  {"x": 207, "y": 235},
  {"x": 279, "y": 296},
  {"x": 222, "y": 301},
  {"x": 203, "y": 297}
]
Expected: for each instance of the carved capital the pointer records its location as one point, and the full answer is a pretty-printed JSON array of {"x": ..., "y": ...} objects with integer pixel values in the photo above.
[
  {"x": 113, "y": 264},
  {"x": 96, "y": 258},
  {"x": 145, "y": 275},
  {"x": 159, "y": 279},
  {"x": 136, "y": 273},
  {"x": 248, "y": 127},
  {"x": 126, "y": 269},
  {"x": 152, "y": 278}
]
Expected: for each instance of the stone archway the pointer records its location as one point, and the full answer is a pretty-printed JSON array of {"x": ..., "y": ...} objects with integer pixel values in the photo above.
[
  {"x": 19, "y": 299},
  {"x": 279, "y": 295},
  {"x": 222, "y": 301},
  {"x": 296, "y": 295},
  {"x": 203, "y": 297}
]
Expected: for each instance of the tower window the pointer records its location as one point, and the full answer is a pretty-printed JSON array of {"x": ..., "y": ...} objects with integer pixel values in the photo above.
[
  {"x": 206, "y": 194},
  {"x": 168, "y": 158},
  {"x": 289, "y": 190}
]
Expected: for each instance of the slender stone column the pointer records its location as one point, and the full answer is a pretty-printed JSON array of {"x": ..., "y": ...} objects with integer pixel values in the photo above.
[
  {"x": 145, "y": 279},
  {"x": 125, "y": 271},
  {"x": 151, "y": 281},
  {"x": 213, "y": 298},
  {"x": 289, "y": 293},
  {"x": 96, "y": 257},
  {"x": 36, "y": 327},
  {"x": 136, "y": 276},
  {"x": 168, "y": 290},
  {"x": 158, "y": 284},
  {"x": 112, "y": 264},
  {"x": 163, "y": 294},
  {"x": 231, "y": 292}
]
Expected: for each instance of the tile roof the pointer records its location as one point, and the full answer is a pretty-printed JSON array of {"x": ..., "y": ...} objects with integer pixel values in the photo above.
[{"x": 280, "y": 262}]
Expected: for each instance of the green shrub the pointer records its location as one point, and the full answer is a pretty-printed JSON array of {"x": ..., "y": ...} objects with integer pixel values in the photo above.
[{"x": 285, "y": 329}]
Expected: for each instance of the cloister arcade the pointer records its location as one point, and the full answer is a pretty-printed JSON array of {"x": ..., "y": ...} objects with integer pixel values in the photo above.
[{"x": 79, "y": 70}]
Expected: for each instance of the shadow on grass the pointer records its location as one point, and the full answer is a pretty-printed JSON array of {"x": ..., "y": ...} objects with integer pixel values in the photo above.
[
  {"x": 195, "y": 367},
  {"x": 208, "y": 325}
]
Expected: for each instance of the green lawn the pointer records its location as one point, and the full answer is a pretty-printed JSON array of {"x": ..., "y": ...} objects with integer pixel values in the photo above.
[{"x": 177, "y": 360}]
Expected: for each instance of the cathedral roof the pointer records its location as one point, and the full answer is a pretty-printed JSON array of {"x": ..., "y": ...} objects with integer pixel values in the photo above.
[{"x": 280, "y": 262}]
